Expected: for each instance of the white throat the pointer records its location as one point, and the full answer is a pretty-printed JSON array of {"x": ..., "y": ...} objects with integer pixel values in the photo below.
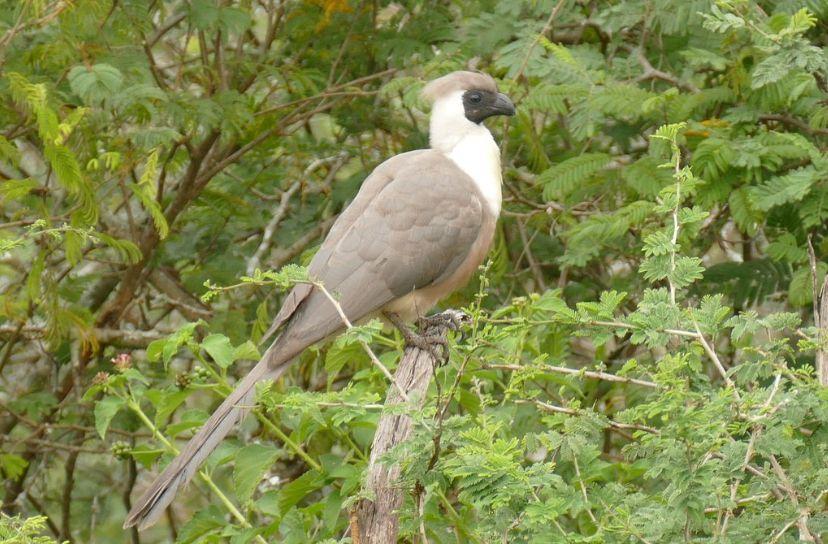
[{"x": 469, "y": 145}]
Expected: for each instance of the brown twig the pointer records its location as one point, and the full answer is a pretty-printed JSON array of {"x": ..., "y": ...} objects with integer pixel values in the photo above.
[
  {"x": 66, "y": 502},
  {"x": 820, "y": 302}
]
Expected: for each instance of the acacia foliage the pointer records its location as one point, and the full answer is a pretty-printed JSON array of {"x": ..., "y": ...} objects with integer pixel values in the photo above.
[{"x": 640, "y": 366}]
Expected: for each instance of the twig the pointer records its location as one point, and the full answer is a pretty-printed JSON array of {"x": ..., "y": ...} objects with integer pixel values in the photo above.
[
  {"x": 802, "y": 521},
  {"x": 421, "y": 515},
  {"x": 284, "y": 201},
  {"x": 575, "y": 372},
  {"x": 583, "y": 487},
  {"x": 794, "y": 122},
  {"x": 716, "y": 361},
  {"x": 132, "y": 477},
  {"x": 121, "y": 337},
  {"x": 599, "y": 323},
  {"x": 653, "y": 73},
  {"x": 42, "y": 511},
  {"x": 740, "y": 502},
  {"x": 676, "y": 225},
  {"x": 782, "y": 531},
  {"x": 820, "y": 302},
  {"x": 546, "y": 27},
  {"x": 282, "y": 256},
  {"x": 50, "y": 445},
  {"x": 754, "y": 435},
  {"x": 570, "y": 412},
  {"x": 66, "y": 502},
  {"x": 363, "y": 343},
  {"x": 331, "y": 91},
  {"x": 166, "y": 27},
  {"x": 537, "y": 273},
  {"x": 267, "y": 236}
]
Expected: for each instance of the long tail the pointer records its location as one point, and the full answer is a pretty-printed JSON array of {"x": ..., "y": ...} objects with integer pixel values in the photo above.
[{"x": 182, "y": 469}]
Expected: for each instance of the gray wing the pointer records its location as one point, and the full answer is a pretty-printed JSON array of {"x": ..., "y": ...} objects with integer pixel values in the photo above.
[{"x": 416, "y": 229}]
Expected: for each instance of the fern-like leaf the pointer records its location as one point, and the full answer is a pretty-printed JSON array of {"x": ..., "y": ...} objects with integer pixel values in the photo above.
[{"x": 564, "y": 177}]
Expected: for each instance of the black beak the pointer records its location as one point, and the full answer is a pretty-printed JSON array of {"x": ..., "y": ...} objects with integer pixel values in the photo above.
[{"x": 503, "y": 105}]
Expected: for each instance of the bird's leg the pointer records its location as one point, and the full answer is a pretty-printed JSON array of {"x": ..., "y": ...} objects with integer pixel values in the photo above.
[{"x": 426, "y": 342}]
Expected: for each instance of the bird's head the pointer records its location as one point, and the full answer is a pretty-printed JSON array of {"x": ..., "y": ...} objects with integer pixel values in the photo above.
[
  {"x": 461, "y": 101},
  {"x": 472, "y": 95}
]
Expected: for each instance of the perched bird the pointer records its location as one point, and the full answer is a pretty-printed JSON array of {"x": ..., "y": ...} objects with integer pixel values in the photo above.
[{"x": 417, "y": 230}]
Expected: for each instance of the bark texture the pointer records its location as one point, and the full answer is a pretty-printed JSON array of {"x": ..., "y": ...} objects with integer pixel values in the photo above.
[
  {"x": 822, "y": 355},
  {"x": 377, "y": 521}
]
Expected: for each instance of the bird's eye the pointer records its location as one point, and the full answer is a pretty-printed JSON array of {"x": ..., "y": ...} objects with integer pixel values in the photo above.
[{"x": 475, "y": 98}]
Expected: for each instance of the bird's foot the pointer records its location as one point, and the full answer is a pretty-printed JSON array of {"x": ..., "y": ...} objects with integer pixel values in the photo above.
[
  {"x": 432, "y": 336},
  {"x": 448, "y": 319}
]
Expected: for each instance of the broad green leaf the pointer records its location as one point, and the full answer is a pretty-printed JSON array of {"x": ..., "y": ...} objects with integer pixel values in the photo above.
[
  {"x": 220, "y": 349},
  {"x": 251, "y": 464},
  {"x": 105, "y": 410},
  {"x": 247, "y": 350},
  {"x": 298, "y": 489},
  {"x": 207, "y": 521}
]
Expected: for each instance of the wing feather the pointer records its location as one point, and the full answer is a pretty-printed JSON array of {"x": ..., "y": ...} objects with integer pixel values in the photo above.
[{"x": 412, "y": 227}]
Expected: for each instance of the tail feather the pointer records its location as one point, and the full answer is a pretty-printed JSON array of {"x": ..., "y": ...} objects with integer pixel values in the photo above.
[{"x": 182, "y": 469}]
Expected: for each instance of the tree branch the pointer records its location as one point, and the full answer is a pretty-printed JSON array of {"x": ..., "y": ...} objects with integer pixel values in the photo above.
[{"x": 377, "y": 521}]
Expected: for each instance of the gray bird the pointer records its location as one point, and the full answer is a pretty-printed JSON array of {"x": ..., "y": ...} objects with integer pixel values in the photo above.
[{"x": 417, "y": 230}]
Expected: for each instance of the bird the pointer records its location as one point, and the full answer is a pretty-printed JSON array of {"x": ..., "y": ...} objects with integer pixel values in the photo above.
[{"x": 417, "y": 230}]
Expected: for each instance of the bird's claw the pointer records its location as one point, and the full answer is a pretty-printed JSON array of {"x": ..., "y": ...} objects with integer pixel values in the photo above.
[
  {"x": 432, "y": 332},
  {"x": 451, "y": 319}
]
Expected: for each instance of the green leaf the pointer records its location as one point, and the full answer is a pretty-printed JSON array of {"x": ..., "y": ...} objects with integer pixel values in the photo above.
[
  {"x": 801, "y": 290},
  {"x": 251, "y": 464},
  {"x": 207, "y": 521},
  {"x": 146, "y": 195},
  {"x": 9, "y": 152},
  {"x": 659, "y": 242},
  {"x": 295, "y": 491},
  {"x": 69, "y": 174},
  {"x": 743, "y": 211},
  {"x": 780, "y": 190},
  {"x": 95, "y": 83},
  {"x": 687, "y": 270},
  {"x": 339, "y": 354},
  {"x": 105, "y": 410},
  {"x": 166, "y": 348},
  {"x": 786, "y": 248},
  {"x": 15, "y": 189},
  {"x": 12, "y": 466},
  {"x": 220, "y": 349},
  {"x": 166, "y": 402},
  {"x": 33, "y": 282},
  {"x": 246, "y": 350},
  {"x": 562, "y": 178},
  {"x": 155, "y": 349},
  {"x": 645, "y": 177},
  {"x": 127, "y": 249}
]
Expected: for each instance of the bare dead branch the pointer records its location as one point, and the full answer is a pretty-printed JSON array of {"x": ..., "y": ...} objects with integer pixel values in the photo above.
[
  {"x": 377, "y": 521},
  {"x": 120, "y": 337}
]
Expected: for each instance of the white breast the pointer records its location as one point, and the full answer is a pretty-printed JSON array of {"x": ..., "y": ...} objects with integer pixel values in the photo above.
[{"x": 477, "y": 154}]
